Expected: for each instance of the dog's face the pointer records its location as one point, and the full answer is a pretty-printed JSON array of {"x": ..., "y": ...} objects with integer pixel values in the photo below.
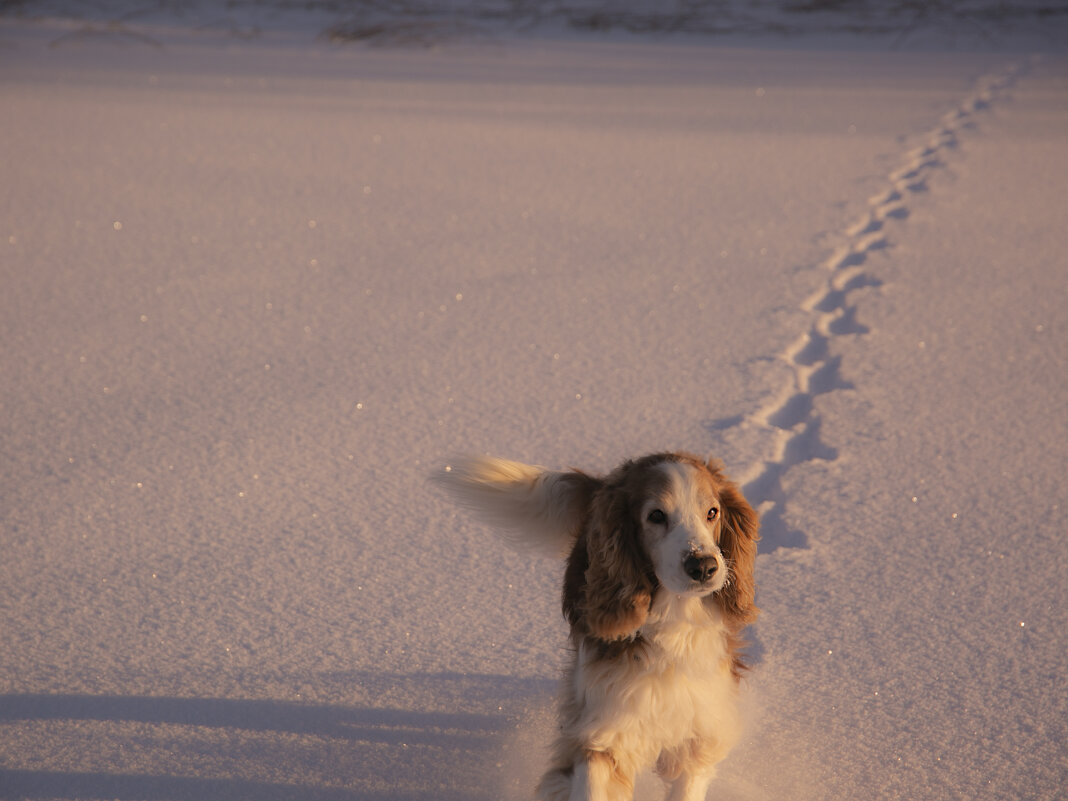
[
  {"x": 680, "y": 522},
  {"x": 665, "y": 522}
]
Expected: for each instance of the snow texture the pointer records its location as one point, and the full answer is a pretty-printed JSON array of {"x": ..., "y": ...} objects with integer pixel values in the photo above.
[{"x": 257, "y": 290}]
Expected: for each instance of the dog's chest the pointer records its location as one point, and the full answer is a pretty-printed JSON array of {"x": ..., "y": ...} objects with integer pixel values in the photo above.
[
  {"x": 683, "y": 660},
  {"x": 673, "y": 685}
]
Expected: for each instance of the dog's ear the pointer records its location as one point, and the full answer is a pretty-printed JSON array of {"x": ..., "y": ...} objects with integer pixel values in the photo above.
[
  {"x": 738, "y": 539},
  {"x": 618, "y": 574}
]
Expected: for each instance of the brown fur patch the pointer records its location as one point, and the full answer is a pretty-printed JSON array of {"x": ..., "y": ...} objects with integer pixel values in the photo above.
[{"x": 609, "y": 582}]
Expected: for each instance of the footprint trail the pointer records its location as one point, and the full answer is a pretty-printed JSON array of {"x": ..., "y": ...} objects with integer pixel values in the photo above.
[{"x": 791, "y": 417}]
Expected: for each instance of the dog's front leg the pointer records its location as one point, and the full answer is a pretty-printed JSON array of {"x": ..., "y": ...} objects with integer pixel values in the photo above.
[
  {"x": 597, "y": 777},
  {"x": 690, "y": 786},
  {"x": 691, "y": 768},
  {"x": 581, "y": 787}
]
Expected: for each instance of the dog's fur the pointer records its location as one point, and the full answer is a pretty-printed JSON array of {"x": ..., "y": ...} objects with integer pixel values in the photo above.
[{"x": 657, "y": 589}]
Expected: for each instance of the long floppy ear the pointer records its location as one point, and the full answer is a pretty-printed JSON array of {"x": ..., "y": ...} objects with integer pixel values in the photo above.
[
  {"x": 619, "y": 578},
  {"x": 738, "y": 541}
]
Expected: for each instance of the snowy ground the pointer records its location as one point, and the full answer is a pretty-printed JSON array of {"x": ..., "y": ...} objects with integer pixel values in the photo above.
[{"x": 254, "y": 291}]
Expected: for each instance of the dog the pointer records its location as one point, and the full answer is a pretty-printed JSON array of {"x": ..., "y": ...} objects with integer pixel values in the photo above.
[{"x": 657, "y": 590}]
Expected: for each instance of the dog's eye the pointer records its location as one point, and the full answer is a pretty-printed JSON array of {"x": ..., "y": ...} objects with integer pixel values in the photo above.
[
  {"x": 713, "y": 513},
  {"x": 657, "y": 517}
]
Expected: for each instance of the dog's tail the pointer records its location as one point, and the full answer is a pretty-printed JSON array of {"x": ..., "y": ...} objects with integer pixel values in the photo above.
[{"x": 537, "y": 510}]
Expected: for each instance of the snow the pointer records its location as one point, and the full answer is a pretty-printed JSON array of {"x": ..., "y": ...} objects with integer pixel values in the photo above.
[{"x": 255, "y": 291}]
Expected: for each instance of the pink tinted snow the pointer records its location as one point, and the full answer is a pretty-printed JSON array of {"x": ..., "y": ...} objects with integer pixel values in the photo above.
[{"x": 253, "y": 296}]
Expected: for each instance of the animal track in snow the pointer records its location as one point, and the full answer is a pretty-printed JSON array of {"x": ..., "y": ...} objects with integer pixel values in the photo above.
[{"x": 791, "y": 417}]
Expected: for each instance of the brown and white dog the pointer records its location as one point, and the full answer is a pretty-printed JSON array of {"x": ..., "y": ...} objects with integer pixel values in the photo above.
[{"x": 658, "y": 587}]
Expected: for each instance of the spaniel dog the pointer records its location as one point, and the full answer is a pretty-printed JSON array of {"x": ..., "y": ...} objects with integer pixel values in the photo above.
[{"x": 657, "y": 589}]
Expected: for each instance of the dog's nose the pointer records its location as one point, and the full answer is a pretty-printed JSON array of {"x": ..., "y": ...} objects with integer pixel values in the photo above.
[{"x": 700, "y": 568}]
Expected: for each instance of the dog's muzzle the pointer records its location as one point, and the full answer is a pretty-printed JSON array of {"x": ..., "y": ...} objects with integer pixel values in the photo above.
[{"x": 701, "y": 569}]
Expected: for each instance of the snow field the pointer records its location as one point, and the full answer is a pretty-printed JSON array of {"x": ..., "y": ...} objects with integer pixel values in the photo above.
[{"x": 253, "y": 297}]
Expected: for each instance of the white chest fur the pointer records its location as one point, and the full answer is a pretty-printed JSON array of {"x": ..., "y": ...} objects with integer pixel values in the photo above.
[{"x": 674, "y": 687}]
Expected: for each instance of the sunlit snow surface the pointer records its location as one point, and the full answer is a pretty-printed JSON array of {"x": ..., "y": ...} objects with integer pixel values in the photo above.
[{"x": 255, "y": 291}]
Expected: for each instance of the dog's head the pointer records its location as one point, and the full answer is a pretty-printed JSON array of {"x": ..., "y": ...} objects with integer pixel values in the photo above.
[
  {"x": 669, "y": 522},
  {"x": 666, "y": 522}
]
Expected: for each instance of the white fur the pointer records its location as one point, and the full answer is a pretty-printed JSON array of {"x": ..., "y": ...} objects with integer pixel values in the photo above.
[
  {"x": 680, "y": 687},
  {"x": 680, "y": 690},
  {"x": 687, "y": 531}
]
